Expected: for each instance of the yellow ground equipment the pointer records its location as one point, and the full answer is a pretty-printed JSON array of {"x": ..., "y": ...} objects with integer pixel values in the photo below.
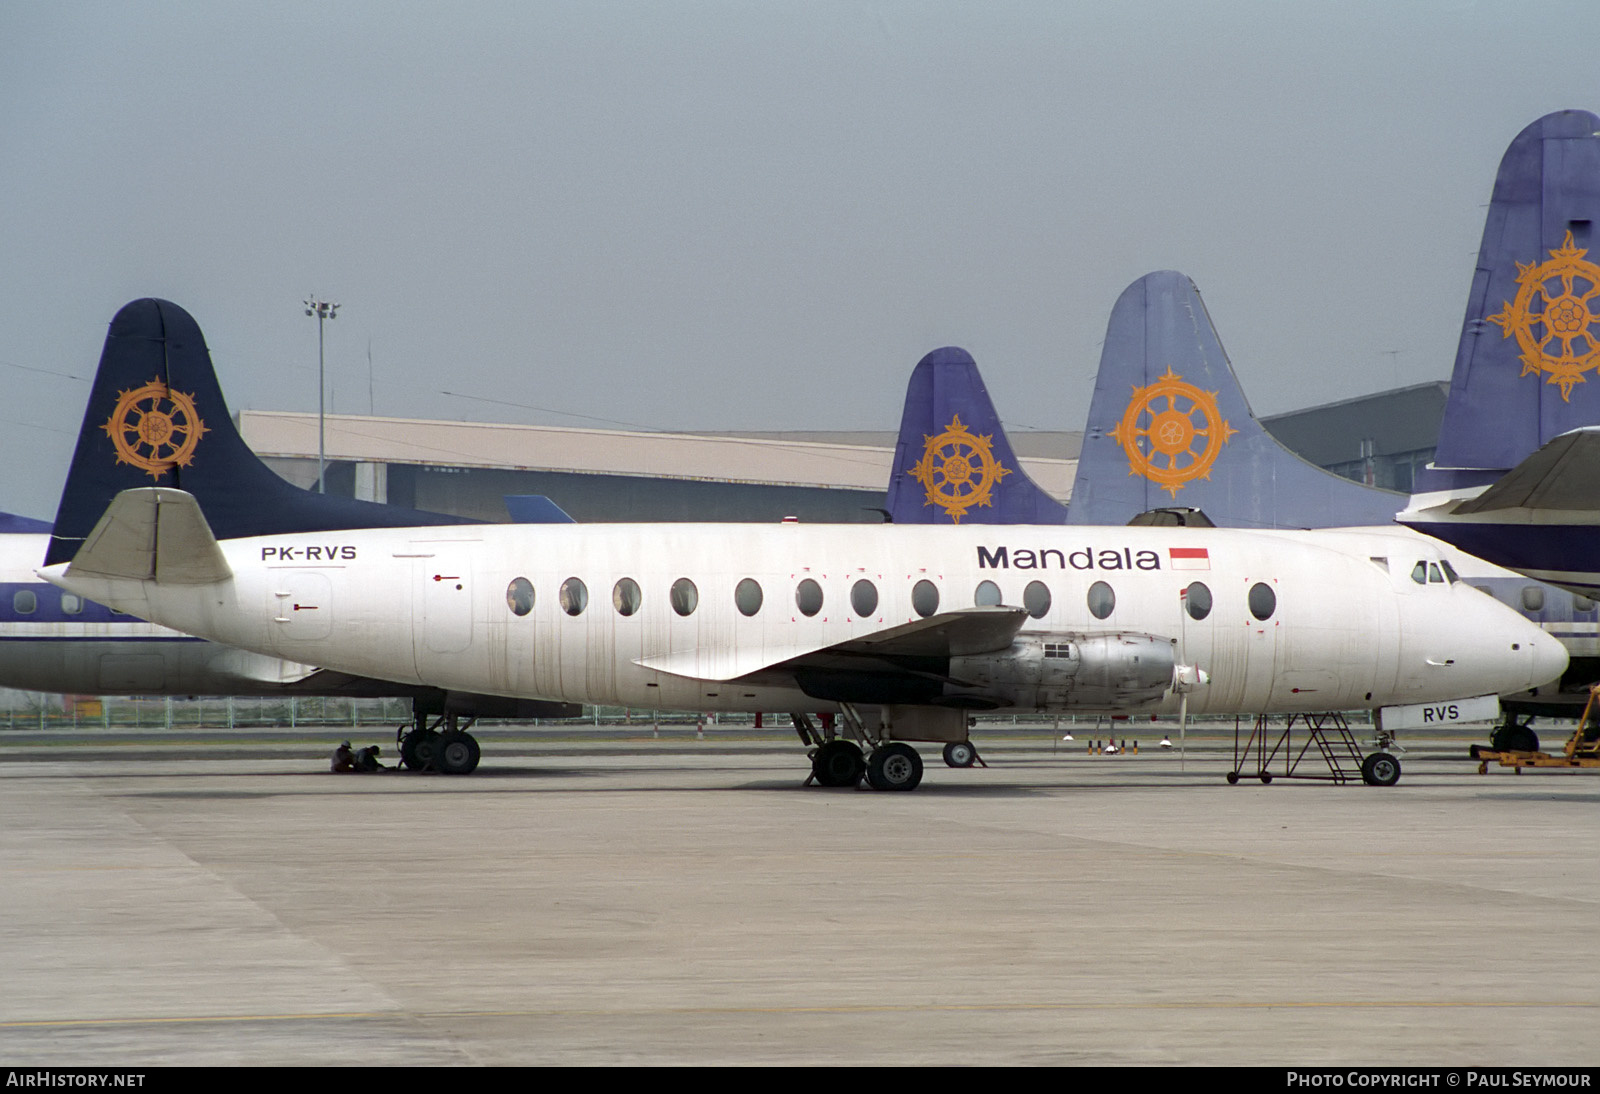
[{"x": 1582, "y": 750}]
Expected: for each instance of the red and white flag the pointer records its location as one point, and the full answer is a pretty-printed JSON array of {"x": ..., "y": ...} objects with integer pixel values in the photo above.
[{"x": 1189, "y": 558}]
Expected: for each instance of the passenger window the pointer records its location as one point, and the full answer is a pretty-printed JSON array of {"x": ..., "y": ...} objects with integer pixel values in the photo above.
[
  {"x": 1579, "y": 604},
  {"x": 747, "y": 596},
  {"x": 988, "y": 594},
  {"x": 71, "y": 605},
  {"x": 1533, "y": 598},
  {"x": 925, "y": 598},
  {"x": 685, "y": 597},
  {"x": 1263, "y": 601},
  {"x": 808, "y": 597},
  {"x": 519, "y": 596},
  {"x": 574, "y": 596},
  {"x": 626, "y": 597},
  {"x": 24, "y": 601},
  {"x": 1036, "y": 598},
  {"x": 1419, "y": 573},
  {"x": 1102, "y": 600},
  {"x": 1434, "y": 575},
  {"x": 1197, "y": 600},
  {"x": 864, "y": 598}
]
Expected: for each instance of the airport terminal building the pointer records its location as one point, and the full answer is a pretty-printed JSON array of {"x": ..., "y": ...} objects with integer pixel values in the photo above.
[{"x": 469, "y": 468}]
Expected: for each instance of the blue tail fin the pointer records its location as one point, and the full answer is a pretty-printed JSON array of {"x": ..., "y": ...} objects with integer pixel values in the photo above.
[
  {"x": 953, "y": 463},
  {"x": 1169, "y": 426},
  {"x": 1528, "y": 365},
  {"x": 156, "y": 417}
]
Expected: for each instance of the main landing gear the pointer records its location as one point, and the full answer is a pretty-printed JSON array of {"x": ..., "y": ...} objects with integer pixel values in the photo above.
[
  {"x": 453, "y": 751},
  {"x": 838, "y": 761}
]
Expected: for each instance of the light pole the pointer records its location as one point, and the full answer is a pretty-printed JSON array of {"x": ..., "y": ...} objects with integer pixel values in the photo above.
[{"x": 322, "y": 309}]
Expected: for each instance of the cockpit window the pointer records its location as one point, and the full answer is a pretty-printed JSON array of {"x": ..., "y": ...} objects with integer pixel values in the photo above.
[
  {"x": 1434, "y": 575},
  {"x": 1450, "y": 574},
  {"x": 1419, "y": 573}
]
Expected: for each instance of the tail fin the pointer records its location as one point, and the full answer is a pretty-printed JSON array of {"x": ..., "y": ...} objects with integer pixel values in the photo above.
[
  {"x": 1186, "y": 436},
  {"x": 953, "y": 462},
  {"x": 156, "y": 417},
  {"x": 1528, "y": 365}
]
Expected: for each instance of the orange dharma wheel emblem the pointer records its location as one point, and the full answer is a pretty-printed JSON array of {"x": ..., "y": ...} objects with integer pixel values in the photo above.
[
  {"x": 155, "y": 428},
  {"x": 1553, "y": 317},
  {"x": 1172, "y": 432},
  {"x": 958, "y": 470}
]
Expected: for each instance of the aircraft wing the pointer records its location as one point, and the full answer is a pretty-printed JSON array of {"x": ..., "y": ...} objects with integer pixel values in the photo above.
[
  {"x": 1560, "y": 475},
  {"x": 949, "y": 634}
]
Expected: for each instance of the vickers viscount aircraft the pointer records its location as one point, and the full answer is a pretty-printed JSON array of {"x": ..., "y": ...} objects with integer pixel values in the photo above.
[
  {"x": 156, "y": 413},
  {"x": 1523, "y": 399},
  {"x": 903, "y": 631}
]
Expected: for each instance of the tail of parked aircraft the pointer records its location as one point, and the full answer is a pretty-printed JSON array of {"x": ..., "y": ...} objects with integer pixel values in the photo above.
[
  {"x": 156, "y": 417},
  {"x": 1169, "y": 426},
  {"x": 953, "y": 463},
  {"x": 1528, "y": 365}
]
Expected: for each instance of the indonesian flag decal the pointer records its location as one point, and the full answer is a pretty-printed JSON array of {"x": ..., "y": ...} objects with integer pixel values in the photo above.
[{"x": 1189, "y": 558}]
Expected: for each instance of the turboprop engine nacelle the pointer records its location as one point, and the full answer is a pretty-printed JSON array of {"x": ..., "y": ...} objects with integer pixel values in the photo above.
[{"x": 1056, "y": 671}]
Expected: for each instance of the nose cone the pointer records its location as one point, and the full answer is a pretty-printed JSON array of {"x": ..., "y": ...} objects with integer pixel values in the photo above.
[{"x": 1549, "y": 660}]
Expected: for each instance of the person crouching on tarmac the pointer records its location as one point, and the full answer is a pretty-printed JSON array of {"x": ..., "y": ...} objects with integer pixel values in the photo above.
[{"x": 344, "y": 759}]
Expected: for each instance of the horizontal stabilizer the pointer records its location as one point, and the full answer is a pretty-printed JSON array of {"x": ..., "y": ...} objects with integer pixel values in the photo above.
[
  {"x": 1560, "y": 476},
  {"x": 152, "y": 533},
  {"x": 1169, "y": 426},
  {"x": 952, "y": 462},
  {"x": 951, "y": 634}
]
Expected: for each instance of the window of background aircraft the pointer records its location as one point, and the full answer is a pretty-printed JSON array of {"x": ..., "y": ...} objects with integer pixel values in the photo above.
[
  {"x": 72, "y": 605},
  {"x": 1036, "y": 598},
  {"x": 519, "y": 596},
  {"x": 808, "y": 597},
  {"x": 1434, "y": 575},
  {"x": 987, "y": 596},
  {"x": 747, "y": 596},
  {"x": 684, "y": 596},
  {"x": 1533, "y": 598},
  {"x": 863, "y": 598},
  {"x": 1419, "y": 573},
  {"x": 574, "y": 596},
  {"x": 1102, "y": 600},
  {"x": 1197, "y": 600},
  {"x": 625, "y": 596},
  {"x": 1450, "y": 574},
  {"x": 1263, "y": 601},
  {"x": 925, "y": 598},
  {"x": 1582, "y": 604},
  {"x": 24, "y": 602}
]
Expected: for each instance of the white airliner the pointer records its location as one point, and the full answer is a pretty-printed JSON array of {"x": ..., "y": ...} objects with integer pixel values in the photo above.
[{"x": 901, "y": 630}]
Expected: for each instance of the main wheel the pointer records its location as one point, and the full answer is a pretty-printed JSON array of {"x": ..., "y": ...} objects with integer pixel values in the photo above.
[
  {"x": 960, "y": 754},
  {"x": 1380, "y": 769},
  {"x": 419, "y": 749},
  {"x": 458, "y": 753},
  {"x": 838, "y": 763},
  {"x": 895, "y": 766}
]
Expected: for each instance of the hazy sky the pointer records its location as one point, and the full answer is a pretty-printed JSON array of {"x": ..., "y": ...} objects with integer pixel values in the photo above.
[{"x": 710, "y": 215}]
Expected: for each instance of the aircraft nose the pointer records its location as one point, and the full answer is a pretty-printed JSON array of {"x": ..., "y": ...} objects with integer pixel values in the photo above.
[{"x": 1549, "y": 660}]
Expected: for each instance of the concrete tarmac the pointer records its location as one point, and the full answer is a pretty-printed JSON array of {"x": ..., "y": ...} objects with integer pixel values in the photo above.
[{"x": 689, "y": 902}]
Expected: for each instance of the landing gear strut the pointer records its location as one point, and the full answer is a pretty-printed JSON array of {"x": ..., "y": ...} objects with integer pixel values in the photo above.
[{"x": 839, "y": 761}]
